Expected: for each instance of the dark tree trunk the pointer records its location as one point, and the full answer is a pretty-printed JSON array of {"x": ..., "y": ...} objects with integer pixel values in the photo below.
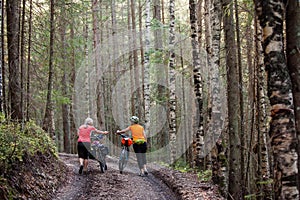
[
  {"x": 29, "y": 63},
  {"x": 13, "y": 33},
  {"x": 234, "y": 120},
  {"x": 2, "y": 96},
  {"x": 293, "y": 61},
  {"x": 64, "y": 83},
  {"x": 48, "y": 119},
  {"x": 22, "y": 58}
]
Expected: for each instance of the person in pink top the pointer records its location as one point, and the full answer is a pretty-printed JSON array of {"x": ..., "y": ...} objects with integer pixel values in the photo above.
[{"x": 84, "y": 142}]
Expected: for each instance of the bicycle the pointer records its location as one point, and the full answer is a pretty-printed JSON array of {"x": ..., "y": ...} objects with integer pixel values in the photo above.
[
  {"x": 124, "y": 155},
  {"x": 99, "y": 150}
]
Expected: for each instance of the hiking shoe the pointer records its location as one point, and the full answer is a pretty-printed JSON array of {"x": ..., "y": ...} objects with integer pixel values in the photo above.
[
  {"x": 141, "y": 174},
  {"x": 146, "y": 172},
  {"x": 80, "y": 169}
]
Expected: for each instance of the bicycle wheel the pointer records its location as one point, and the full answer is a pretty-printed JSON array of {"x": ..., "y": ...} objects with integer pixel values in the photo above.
[
  {"x": 102, "y": 167},
  {"x": 101, "y": 160},
  {"x": 123, "y": 159}
]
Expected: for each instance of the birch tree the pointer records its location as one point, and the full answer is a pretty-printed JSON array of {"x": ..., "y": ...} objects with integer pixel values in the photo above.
[
  {"x": 263, "y": 173},
  {"x": 198, "y": 137},
  {"x": 282, "y": 126},
  {"x": 147, "y": 66},
  {"x": 218, "y": 153},
  {"x": 293, "y": 61},
  {"x": 172, "y": 83}
]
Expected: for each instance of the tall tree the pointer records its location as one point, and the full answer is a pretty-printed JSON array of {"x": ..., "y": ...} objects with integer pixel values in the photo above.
[
  {"x": 137, "y": 94},
  {"x": 1, "y": 59},
  {"x": 172, "y": 83},
  {"x": 263, "y": 165},
  {"x": 282, "y": 126},
  {"x": 72, "y": 82},
  {"x": 13, "y": 33},
  {"x": 240, "y": 69},
  {"x": 198, "y": 137},
  {"x": 29, "y": 61},
  {"x": 218, "y": 158},
  {"x": 48, "y": 123},
  {"x": 147, "y": 66},
  {"x": 234, "y": 120},
  {"x": 97, "y": 58},
  {"x": 293, "y": 61},
  {"x": 22, "y": 58},
  {"x": 64, "y": 85}
]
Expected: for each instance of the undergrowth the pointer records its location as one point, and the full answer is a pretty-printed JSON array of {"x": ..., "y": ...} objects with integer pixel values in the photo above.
[
  {"x": 203, "y": 175},
  {"x": 16, "y": 143}
]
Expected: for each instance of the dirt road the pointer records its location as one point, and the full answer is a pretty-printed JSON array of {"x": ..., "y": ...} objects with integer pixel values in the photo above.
[{"x": 111, "y": 184}]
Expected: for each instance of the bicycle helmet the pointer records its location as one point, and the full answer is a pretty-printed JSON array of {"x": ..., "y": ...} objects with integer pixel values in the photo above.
[{"x": 134, "y": 119}]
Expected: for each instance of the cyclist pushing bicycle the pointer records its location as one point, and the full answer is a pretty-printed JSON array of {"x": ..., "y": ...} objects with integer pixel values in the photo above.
[{"x": 139, "y": 143}]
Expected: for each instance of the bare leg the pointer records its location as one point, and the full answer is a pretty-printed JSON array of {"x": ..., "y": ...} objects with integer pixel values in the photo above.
[
  {"x": 145, "y": 169},
  {"x": 81, "y": 161},
  {"x": 85, "y": 164}
]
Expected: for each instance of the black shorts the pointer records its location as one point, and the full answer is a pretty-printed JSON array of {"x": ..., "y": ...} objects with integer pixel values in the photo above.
[
  {"x": 140, "y": 148},
  {"x": 83, "y": 149}
]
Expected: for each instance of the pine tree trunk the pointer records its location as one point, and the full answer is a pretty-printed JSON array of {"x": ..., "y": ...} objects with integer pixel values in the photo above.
[
  {"x": 13, "y": 33},
  {"x": 48, "y": 123},
  {"x": 1, "y": 60},
  {"x": 137, "y": 93},
  {"x": 241, "y": 89},
  {"x": 233, "y": 82},
  {"x": 282, "y": 126},
  {"x": 22, "y": 58},
  {"x": 65, "y": 106},
  {"x": 250, "y": 118},
  {"x": 29, "y": 62},
  {"x": 97, "y": 63},
  {"x": 72, "y": 75}
]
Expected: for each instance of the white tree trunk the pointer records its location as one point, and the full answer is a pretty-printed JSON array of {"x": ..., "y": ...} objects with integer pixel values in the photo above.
[
  {"x": 147, "y": 66},
  {"x": 172, "y": 83}
]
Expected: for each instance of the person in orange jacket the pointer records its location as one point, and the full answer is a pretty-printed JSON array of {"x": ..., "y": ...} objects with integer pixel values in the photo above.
[{"x": 139, "y": 143}]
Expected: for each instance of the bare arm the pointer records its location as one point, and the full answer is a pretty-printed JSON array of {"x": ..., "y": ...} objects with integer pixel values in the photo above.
[
  {"x": 101, "y": 132},
  {"x": 145, "y": 136},
  {"x": 124, "y": 130}
]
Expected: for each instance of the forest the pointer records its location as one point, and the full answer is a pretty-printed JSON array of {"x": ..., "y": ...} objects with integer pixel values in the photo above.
[{"x": 215, "y": 83}]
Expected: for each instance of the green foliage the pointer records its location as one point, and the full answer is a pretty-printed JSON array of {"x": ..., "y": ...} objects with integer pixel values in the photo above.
[
  {"x": 182, "y": 166},
  {"x": 266, "y": 182},
  {"x": 156, "y": 24},
  {"x": 251, "y": 196},
  {"x": 16, "y": 142},
  {"x": 205, "y": 175}
]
